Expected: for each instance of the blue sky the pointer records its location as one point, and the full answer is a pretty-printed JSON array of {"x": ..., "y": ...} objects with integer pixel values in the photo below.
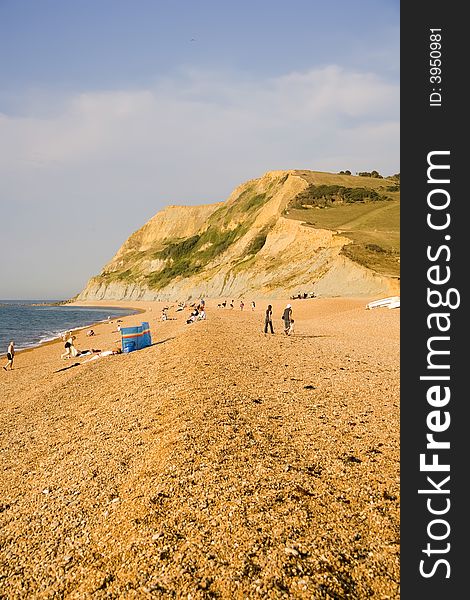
[{"x": 112, "y": 109}]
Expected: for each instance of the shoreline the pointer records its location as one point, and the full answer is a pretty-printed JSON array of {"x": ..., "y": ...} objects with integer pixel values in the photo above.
[
  {"x": 134, "y": 306},
  {"x": 94, "y": 324}
]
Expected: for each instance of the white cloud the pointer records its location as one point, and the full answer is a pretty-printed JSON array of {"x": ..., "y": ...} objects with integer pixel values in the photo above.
[
  {"x": 197, "y": 113},
  {"x": 190, "y": 139}
]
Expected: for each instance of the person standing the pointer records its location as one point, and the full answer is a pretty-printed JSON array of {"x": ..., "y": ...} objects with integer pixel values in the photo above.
[
  {"x": 10, "y": 355},
  {"x": 268, "y": 320},
  {"x": 286, "y": 317},
  {"x": 253, "y": 305},
  {"x": 242, "y": 304}
]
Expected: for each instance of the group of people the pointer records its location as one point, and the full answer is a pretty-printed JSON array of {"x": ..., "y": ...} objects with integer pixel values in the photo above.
[
  {"x": 231, "y": 305},
  {"x": 72, "y": 352},
  {"x": 286, "y": 317},
  {"x": 303, "y": 296},
  {"x": 224, "y": 304},
  {"x": 70, "y": 349},
  {"x": 198, "y": 313},
  {"x": 268, "y": 320}
]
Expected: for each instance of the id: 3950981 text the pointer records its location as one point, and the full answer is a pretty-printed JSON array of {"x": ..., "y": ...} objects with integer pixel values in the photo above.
[{"x": 435, "y": 67}]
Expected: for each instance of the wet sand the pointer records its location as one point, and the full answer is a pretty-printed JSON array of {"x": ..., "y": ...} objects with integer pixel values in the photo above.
[{"x": 218, "y": 463}]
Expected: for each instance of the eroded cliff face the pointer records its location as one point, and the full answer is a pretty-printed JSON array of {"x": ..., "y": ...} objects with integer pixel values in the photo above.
[{"x": 242, "y": 247}]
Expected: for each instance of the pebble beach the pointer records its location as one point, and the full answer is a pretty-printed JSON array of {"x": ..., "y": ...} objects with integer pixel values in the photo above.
[{"x": 220, "y": 462}]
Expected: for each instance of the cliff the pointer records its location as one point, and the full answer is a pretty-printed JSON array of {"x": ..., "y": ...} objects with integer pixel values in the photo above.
[{"x": 262, "y": 242}]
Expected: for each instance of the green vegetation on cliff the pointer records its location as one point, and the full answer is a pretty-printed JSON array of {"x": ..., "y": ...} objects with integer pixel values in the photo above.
[
  {"x": 363, "y": 208},
  {"x": 327, "y": 195},
  {"x": 226, "y": 225},
  {"x": 190, "y": 256}
]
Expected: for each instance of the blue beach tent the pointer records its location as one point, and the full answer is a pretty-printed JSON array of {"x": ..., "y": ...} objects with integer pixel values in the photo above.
[{"x": 135, "y": 338}]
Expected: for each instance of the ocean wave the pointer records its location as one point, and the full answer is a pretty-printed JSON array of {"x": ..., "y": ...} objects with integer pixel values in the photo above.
[{"x": 32, "y": 327}]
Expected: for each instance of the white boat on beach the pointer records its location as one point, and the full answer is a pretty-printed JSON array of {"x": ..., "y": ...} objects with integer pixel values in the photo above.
[{"x": 391, "y": 302}]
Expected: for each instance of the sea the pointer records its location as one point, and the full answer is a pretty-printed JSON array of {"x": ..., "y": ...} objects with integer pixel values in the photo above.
[{"x": 30, "y": 323}]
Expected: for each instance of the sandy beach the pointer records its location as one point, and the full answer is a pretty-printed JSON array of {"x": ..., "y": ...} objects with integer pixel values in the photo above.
[{"x": 218, "y": 463}]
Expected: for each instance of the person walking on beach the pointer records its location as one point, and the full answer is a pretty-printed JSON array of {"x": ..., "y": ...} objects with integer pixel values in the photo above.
[
  {"x": 242, "y": 304},
  {"x": 286, "y": 317},
  {"x": 253, "y": 305},
  {"x": 268, "y": 320},
  {"x": 10, "y": 355}
]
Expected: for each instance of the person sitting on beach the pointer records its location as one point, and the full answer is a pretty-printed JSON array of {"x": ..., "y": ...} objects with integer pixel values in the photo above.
[
  {"x": 193, "y": 316},
  {"x": 90, "y": 332},
  {"x": 10, "y": 355},
  {"x": 202, "y": 315}
]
